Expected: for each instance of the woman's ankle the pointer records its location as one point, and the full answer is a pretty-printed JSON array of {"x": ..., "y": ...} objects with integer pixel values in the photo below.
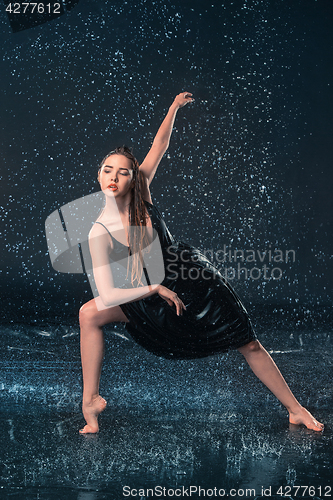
[
  {"x": 295, "y": 409},
  {"x": 89, "y": 399}
]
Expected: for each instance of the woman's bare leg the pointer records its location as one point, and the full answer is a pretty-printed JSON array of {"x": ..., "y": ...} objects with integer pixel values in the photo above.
[
  {"x": 266, "y": 370},
  {"x": 92, "y": 351}
]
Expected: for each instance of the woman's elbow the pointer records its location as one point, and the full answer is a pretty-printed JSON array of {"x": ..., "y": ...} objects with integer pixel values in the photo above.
[
  {"x": 161, "y": 143},
  {"x": 108, "y": 299}
]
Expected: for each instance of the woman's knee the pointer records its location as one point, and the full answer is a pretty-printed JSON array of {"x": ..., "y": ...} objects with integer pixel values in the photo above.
[
  {"x": 253, "y": 346},
  {"x": 87, "y": 313},
  {"x": 90, "y": 314}
]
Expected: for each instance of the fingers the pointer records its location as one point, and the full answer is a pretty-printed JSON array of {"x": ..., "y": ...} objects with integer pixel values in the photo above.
[
  {"x": 180, "y": 306},
  {"x": 178, "y": 303},
  {"x": 183, "y": 98},
  {"x": 172, "y": 299},
  {"x": 188, "y": 96}
]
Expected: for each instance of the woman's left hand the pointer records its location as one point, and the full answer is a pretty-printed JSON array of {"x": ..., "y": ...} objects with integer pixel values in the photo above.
[{"x": 183, "y": 98}]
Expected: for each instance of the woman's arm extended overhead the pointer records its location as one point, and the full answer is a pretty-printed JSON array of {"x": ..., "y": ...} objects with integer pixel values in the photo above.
[{"x": 162, "y": 138}]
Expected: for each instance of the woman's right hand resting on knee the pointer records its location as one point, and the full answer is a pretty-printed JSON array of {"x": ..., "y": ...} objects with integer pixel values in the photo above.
[{"x": 171, "y": 298}]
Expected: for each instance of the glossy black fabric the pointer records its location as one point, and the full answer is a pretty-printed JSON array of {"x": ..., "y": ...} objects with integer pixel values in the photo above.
[{"x": 215, "y": 319}]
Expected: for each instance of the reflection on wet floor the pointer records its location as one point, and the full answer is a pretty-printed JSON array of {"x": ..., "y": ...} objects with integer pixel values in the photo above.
[
  {"x": 206, "y": 423},
  {"x": 221, "y": 450}
]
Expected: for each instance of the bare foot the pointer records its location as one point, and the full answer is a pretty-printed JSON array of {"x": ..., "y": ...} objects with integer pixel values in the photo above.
[
  {"x": 90, "y": 412},
  {"x": 303, "y": 416}
]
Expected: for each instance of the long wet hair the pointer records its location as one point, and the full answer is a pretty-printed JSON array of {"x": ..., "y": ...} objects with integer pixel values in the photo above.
[{"x": 138, "y": 239}]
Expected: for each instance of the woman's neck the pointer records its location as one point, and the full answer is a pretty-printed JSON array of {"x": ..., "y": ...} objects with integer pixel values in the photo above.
[{"x": 116, "y": 207}]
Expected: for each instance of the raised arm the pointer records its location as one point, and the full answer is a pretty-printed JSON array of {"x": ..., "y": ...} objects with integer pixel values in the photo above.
[{"x": 162, "y": 138}]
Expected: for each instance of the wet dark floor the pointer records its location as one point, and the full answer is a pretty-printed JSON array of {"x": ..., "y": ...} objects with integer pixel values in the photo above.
[{"x": 174, "y": 425}]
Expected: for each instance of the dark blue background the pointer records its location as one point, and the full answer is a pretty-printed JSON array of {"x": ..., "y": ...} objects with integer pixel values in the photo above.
[{"x": 249, "y": 167}]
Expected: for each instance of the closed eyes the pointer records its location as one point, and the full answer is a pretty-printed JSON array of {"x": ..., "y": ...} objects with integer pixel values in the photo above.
[{"x": 125, "y": 172}]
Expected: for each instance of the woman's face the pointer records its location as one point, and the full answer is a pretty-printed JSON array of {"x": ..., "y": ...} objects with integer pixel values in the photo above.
[{"x": 116, "y": 176}]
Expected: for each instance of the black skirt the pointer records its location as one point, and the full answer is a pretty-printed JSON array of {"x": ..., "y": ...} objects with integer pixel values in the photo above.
[{"x": 215, "y": 320}]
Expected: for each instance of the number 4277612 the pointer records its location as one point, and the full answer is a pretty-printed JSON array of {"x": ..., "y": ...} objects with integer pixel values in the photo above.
[
  {"x": 301, "y": 491},
  {"x": 33, "y": 8}
]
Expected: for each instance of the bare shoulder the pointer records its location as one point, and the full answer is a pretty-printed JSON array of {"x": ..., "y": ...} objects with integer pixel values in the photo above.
[
  {"x": 99, "y": 234},
  {"x": 98, "y": 229}
]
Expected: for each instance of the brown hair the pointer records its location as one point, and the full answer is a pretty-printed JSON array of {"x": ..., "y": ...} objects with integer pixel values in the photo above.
[{"x": 137, "y": 215}]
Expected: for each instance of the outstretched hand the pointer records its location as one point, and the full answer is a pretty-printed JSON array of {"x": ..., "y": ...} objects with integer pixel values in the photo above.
[
  {"x": 171, "y": 298},
  {"x": 183, "y": 98}
]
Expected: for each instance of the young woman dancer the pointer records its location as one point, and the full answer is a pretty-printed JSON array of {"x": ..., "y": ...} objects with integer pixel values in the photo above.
[{"x": 192, "y": 313}]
